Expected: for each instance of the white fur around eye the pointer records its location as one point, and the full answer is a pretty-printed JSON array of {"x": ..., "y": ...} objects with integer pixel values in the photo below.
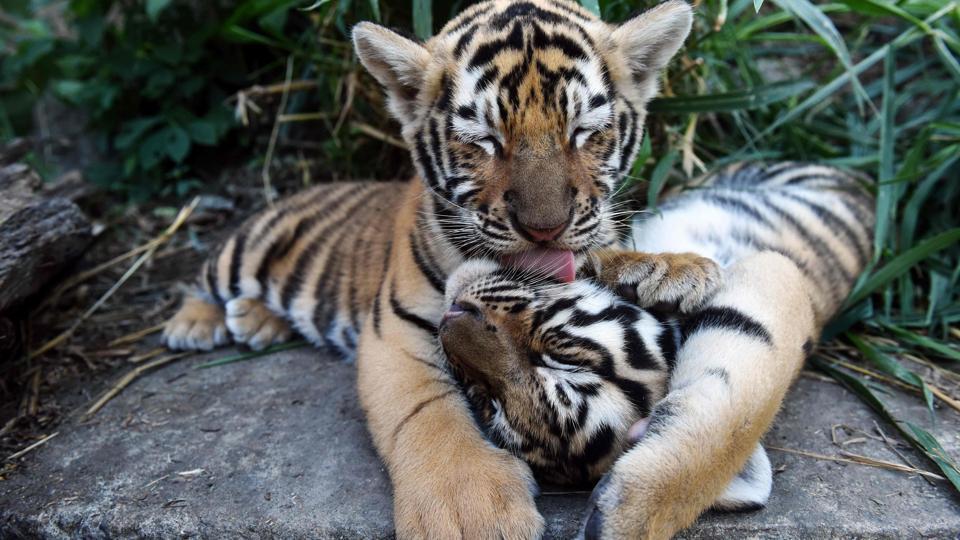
[
  {"x": 581, "y": 135},
  {"x": 487, "y": 144}
]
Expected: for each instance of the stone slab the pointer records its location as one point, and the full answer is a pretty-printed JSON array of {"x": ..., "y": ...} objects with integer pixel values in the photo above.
[{"x": 277, "y": 447}]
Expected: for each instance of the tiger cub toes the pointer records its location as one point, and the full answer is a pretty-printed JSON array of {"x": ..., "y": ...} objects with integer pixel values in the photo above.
[
  {"x": 197, "y": 326},
  {"x": 252, "y": 323},
  {"x": 685, "y": 279}
]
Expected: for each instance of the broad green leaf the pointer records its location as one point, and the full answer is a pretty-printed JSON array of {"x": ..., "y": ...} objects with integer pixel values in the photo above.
[
  {"x": 731, "y": 101},
  {"x": 132, "y": 131},
  {"x": 71, "y": 91},
  {"x": 423, "y": 18},
  {"x": 178, "y": 143},
  {"x": 203, "y": 132},
  {"x": 172, "y": 141},
  {"x": 592, "y": 5},
  {"x": 154, "y": 7}
]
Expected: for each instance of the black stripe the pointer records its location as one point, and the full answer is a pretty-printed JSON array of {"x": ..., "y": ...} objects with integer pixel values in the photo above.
[
  {"x": 731, "y": 203},
  {"x": 295, "y": 207},
  {"x": 408, "y": 316},
  {"x": 423, "y": 265},
  {"x": 464, "y": 41},
  {"x": 318, "y": 241},
  {"x": 416, "y": 410},
  {"x": 833, "y": 265},
  {"x": 827, "y": 215},
  {"x": 719, "y": 317},
  {"x": 236, "y": 260},
  {"x": 211, "y": 278},
  {"x": 485, "y": 53}
]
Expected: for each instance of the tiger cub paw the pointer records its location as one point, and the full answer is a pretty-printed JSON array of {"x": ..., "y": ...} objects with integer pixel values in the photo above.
[
  {"x": 197, "y": 326},
  {"x": 686, "y": 280},
  {"x": 252, "y": 323}
]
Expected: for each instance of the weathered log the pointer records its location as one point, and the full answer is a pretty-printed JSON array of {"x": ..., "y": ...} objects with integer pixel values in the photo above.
[{"x": 38, "y": 235}]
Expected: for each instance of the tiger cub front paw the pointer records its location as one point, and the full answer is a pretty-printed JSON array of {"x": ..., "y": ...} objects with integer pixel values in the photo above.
[
  {"x": 251, "y": 322},
  {"x": 197, "y": 326},
  {"x": 684, "y": 279}
]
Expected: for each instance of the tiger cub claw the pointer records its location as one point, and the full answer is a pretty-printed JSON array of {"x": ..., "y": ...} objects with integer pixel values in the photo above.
[
  {"x": 252, "y": 323},
  {"x": 686, "y": 280},
  {"x": 197, "y": 326}
]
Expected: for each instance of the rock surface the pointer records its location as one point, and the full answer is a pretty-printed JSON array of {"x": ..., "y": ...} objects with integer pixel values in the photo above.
[{"x": 277, "y": 447}]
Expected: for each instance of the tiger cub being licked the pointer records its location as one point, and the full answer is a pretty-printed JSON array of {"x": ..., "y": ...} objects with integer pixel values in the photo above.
[
  {"x": 522, "y": 118},
  {"x": 568, "y": 375}
]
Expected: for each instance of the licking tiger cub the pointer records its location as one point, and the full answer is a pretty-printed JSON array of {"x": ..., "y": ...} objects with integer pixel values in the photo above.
[
  {"x": 568, "y": 375},
  {"x": 523, "y": 118}
]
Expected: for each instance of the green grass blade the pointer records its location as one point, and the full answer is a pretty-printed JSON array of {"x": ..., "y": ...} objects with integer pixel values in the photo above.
[
  {"x": 731, "y": 101},
  {"x": 814, "y": 17},
  {"x": 941, "y": 349},
  {"x": 902, "y": 263},
  {"x": 592, "y": 5},
  {"x": 375, "y": 9},
  {"x": 891, "y": 367},
  {"x": 887, "y": 191},
  {"x": 659, "y": 177},
  {"x": 946, "y": 57},
  {"x": 423, "y": 18},
  {"x": 820, "y": 96},
  {"x": 931, "y": 446},
  {"x": 253, "y": 354}
]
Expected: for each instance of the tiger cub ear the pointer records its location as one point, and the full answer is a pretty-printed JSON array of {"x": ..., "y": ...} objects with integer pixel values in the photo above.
[
  {"x": 649, "y": 40},
  {"x": 398, "y": 63}
]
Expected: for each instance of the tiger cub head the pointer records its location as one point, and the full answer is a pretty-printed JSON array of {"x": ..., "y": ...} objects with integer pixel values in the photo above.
[
  {"x": 556, "y": 372},
  {"x": 523, "y": 116}
]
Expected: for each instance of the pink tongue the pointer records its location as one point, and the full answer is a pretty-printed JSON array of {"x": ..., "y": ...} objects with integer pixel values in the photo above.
[{"x": 554, "y": 262}]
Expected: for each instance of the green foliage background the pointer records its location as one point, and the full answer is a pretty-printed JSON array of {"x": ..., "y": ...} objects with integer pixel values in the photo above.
[{"x": 866, "y": 84}]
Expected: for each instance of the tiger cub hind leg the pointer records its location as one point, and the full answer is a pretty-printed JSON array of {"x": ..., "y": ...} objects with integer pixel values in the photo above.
[
  {"x": 251, "y": 322},
  {"x": 197, "y": 326}
]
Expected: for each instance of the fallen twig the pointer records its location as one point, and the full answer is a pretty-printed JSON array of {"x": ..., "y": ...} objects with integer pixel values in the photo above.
[
  {"x": 935, "y": 390},
  {"x": 32, "y": 447},
  {"x": 857, "y": 459},
  {"x": 371, "y": 131},
  {"x": 274, "y": 134},
  {"x": 135, "y": 336},
  {"x": 129, "y": 378},
  {"x": 153, "y": 245}
]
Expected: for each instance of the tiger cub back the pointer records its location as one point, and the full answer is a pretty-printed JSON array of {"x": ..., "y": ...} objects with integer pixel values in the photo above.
[{"x": 821, "y": 218}]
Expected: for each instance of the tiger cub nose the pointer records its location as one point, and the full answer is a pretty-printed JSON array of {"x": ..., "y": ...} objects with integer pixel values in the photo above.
[{"x": 544, "y": 235}]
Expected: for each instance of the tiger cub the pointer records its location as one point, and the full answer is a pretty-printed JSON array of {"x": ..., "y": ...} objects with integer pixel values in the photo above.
[
  {"x": 565, "y": 375},
  {"x": 561, "y": 373}
]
